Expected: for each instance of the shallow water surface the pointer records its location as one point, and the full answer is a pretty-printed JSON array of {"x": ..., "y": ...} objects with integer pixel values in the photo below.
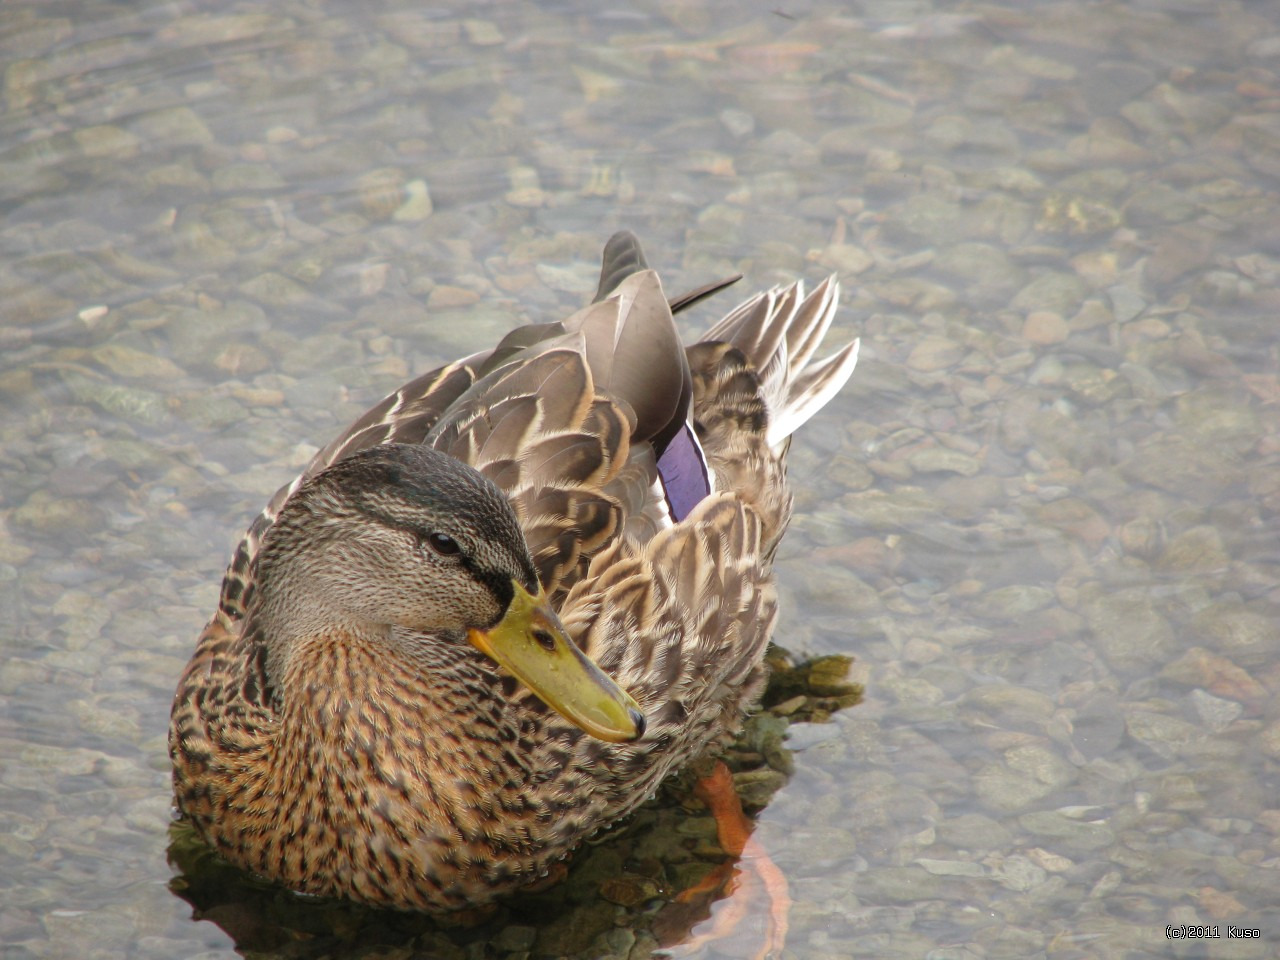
[{"x": 1042, "y": 517}]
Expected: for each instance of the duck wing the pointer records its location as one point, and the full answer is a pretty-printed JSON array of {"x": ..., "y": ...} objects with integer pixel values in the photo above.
[
  {"x": 563, "y": 416},
  {"x": 571, "y": 428},
  {"x": 681, "y": 619}
]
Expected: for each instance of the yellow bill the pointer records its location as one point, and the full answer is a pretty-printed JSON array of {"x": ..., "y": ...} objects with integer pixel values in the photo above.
[{"x": 530, "y": 641}]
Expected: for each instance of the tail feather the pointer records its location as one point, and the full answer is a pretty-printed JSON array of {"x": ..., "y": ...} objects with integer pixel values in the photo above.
[
  {"x": 779, "y": 331},
  {"x": 811, "y": 391},
  {"x": 810, "y": 324},
  {"x": 752, "y": 327}
]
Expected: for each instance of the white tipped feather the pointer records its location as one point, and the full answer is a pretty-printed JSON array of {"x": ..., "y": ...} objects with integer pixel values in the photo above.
[
  {"x": 805, "y": 332},
  {"x": 811, "y": 391},
  {"x": 779, "y": 331}
]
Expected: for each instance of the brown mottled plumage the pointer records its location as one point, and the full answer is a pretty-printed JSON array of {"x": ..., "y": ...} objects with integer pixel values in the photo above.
[{"x": 335, "y": 731}]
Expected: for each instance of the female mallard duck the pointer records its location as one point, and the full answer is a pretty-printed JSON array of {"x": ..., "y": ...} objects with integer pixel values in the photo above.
[{"x": 497, "y": 611}]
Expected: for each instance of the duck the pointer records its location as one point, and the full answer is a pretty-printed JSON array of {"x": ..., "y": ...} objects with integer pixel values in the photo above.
[{"x": 490, "y": 617}]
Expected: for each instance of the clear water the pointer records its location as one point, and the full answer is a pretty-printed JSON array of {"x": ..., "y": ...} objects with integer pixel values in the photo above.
[{"x": 1043, "y": 517}]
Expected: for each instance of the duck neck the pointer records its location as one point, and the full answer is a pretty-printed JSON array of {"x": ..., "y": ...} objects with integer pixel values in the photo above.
[
  {"x": 347, "y": 699},
  {"x": 398, "y": 768}
]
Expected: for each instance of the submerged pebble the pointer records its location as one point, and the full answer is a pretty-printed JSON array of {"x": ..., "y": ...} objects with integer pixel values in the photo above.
[{"x": 1041, "y": 519}]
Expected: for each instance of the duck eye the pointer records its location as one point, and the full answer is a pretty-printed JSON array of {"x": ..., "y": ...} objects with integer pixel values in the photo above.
[{"x": 443, "y": 544}]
